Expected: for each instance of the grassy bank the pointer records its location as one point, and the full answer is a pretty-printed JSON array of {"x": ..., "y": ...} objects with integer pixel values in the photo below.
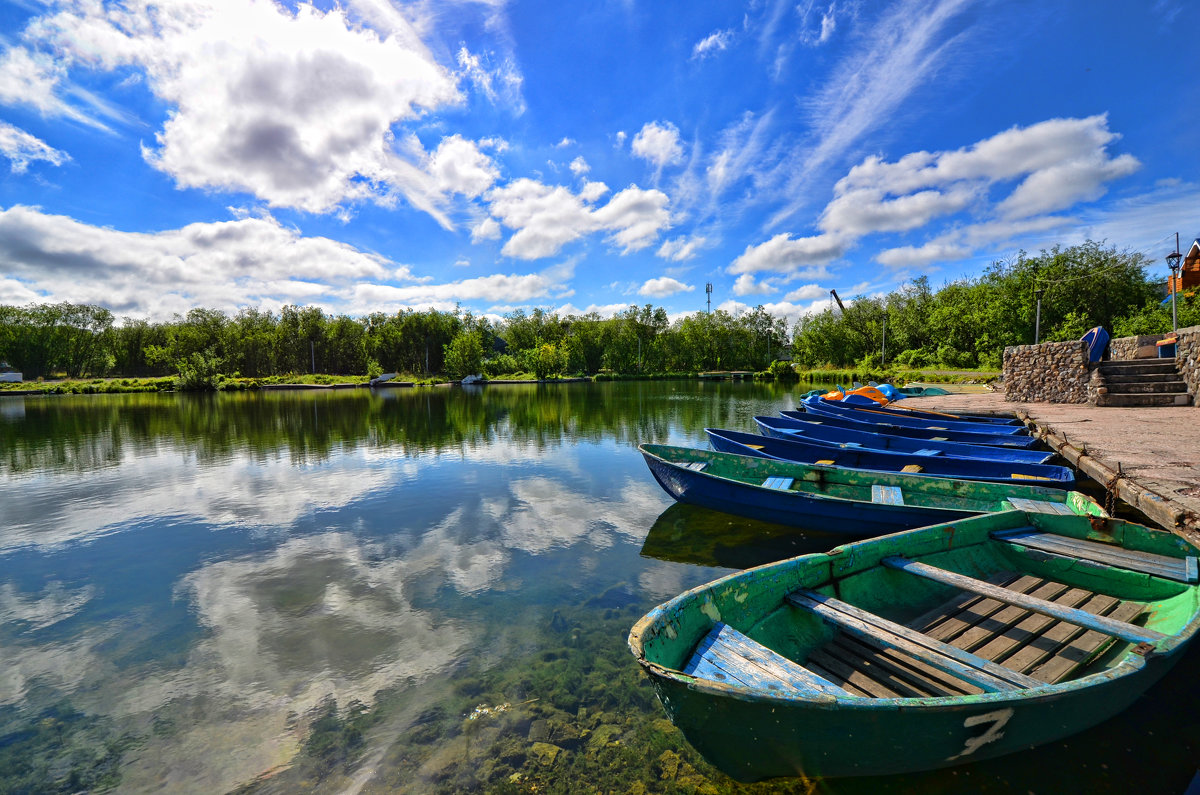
[
  {"x": 898, "y": 377},
  {"x": 87, "y": 386}
]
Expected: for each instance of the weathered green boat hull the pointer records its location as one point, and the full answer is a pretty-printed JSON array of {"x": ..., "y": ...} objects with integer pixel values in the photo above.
[
  {"x": 751, "y": 735},
  {"x": 755, "y": 740}
]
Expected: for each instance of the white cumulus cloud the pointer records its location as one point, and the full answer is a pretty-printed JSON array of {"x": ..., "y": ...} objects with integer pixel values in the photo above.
[
  {"x": 658, "y": 143},
  {"x": 295, "y": 107},
  {"x": 546, "y": 217},
  {"x": 664, "y": 286}
]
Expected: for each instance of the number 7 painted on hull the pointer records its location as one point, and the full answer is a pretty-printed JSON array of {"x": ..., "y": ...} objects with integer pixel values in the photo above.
[{"x": 998, "y": 719}]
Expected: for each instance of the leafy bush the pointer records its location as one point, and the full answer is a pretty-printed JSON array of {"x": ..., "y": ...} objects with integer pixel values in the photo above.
[
  {"x": 501, "y": 364},
  {"x": 954, "y": 359},
  {"x": 464, "y": 354},
  {"x": 200, "y": 372},
  {"x": 782, "y": 371},
  {"x": 547, "y": 360}
]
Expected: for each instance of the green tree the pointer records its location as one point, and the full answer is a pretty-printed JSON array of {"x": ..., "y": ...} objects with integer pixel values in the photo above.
[
  {"x": 547, "y": 360},
  {"x": 464, "y": 354}
]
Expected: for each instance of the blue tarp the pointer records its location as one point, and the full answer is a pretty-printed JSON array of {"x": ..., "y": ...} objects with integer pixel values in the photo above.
[{"x": 1097, "y": 341}]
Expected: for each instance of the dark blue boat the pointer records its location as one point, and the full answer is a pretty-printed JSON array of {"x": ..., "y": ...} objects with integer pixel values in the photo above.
[
  {"x": 803, "y": 452},
  {"x": 865, "y": 414},
  {"x": 821, "y": 430},
  {"x": 937, "y": 416},
  {"x": 963, "y": 437},
  {"x": 834, "y": 500}
]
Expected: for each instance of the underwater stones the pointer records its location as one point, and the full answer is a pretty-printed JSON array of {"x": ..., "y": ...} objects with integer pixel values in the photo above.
[
  {"x": 545, "y": 753},
  {"x": 663, "y": 725},
  {"x": 539, "y": 730},
  {"x": 606, "y": 734},
  {"x": 668, "y": 765}
]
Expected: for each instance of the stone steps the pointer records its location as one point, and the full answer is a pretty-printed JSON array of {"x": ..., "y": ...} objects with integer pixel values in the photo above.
[
  {"x": 1148, "y": 400},
  {"x": 1146, "y": 387},
  {"x": 1141, "y": 382},
  {"x": 1138, "y": 368},
  {"x": 1155, "y": 378}
]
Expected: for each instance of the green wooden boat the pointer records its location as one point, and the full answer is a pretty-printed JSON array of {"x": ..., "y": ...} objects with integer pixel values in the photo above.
[
  {"x": 940, "y": 646},
  {"x": 833, "y": 499}
]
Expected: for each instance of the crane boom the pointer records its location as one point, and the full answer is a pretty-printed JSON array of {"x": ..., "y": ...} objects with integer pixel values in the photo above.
[{"x": 841, "y": 306}]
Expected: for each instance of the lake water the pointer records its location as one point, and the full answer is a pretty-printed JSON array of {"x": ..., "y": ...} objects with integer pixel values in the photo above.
[{"x": 421, "y": 590}]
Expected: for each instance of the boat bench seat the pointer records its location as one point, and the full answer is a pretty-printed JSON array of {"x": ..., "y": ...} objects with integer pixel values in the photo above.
[
  {"x": 727, "y": 656},
  {"x": 696, "y": 466},
  {"x": 1043, "y": 649},
  {"x": 1040, "y": 506},
  {"x": 1130, "y": 633},
  {"x": 779, "y": 483},
  {"x": 884, "y": 634},
  {"x": 1178, "y": 569},
  {"x": 926, "y": 451}
]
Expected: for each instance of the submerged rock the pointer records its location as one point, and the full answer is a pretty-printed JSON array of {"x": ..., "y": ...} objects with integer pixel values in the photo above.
[
  {"x": 606, "y": 734},
  {"x": 539, "y": 730},
  {"x": 545, "y": 753}
]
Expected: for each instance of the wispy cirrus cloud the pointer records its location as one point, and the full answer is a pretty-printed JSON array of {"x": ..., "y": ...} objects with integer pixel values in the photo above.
[
  {"x": 712, "y": 44},
  {"x": 21, "y": 149},
  {"x": 895, "y": 57}
]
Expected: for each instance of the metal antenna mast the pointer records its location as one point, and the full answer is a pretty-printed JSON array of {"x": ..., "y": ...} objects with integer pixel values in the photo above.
[{"x": 708, "y": 290}]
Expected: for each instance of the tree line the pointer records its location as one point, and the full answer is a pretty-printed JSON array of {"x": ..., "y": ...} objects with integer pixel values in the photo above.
[
  {"x": 965, "y": 324},
  {"x": 969, "y": 322}
]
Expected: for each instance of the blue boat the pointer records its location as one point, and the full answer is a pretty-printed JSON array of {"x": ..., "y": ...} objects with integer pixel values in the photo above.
[
  {"x": 963, "y": 437},
  {"x": 804, "y": 452},
  {"x": 904, "y": 411},
  {"x": 865, "y": 414},
  {"x": 825, "y": 431},
  {"x": 834, "y": 500}
]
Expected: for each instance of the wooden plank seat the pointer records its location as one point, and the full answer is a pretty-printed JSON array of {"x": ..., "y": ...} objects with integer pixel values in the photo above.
[
  {"x": 780, "y": 483},
  {"x": 1125, "y": 631},
  {"x": 926, "y": 451},
  {"x": 728, "y": 656},
  {"x": 1178, "y": 569},
  {"x": 1040, "y": 506},
  {"x": 877, "y": 631},
  {"x": 1041, "y": 648},
  {"x": 697, "y": 466}
]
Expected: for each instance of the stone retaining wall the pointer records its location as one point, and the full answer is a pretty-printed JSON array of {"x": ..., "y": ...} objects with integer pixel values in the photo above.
[
  {"x": 1187, "y": 360},
  {"x": 1124, "y": 349},
  {"x": 1053, "y": 372}
]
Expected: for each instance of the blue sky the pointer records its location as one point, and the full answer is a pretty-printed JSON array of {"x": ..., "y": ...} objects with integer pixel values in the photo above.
[{"x": 370, "y": 155}]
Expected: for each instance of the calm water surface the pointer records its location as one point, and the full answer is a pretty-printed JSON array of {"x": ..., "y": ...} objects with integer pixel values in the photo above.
[{"x": 412, "y": 591}]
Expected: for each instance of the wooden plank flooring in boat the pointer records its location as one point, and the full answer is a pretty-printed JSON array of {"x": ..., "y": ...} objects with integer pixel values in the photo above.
[{"x": 1030, "y": 643}]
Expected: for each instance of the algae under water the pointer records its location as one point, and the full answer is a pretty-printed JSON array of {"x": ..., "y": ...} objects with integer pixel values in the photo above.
[{"x": 419, "y": 590}]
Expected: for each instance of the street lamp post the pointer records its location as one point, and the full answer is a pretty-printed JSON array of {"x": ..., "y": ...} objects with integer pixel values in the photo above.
[
  {"x": 1173, "y": 263},
  {"x": 1037, "y": 323}
]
